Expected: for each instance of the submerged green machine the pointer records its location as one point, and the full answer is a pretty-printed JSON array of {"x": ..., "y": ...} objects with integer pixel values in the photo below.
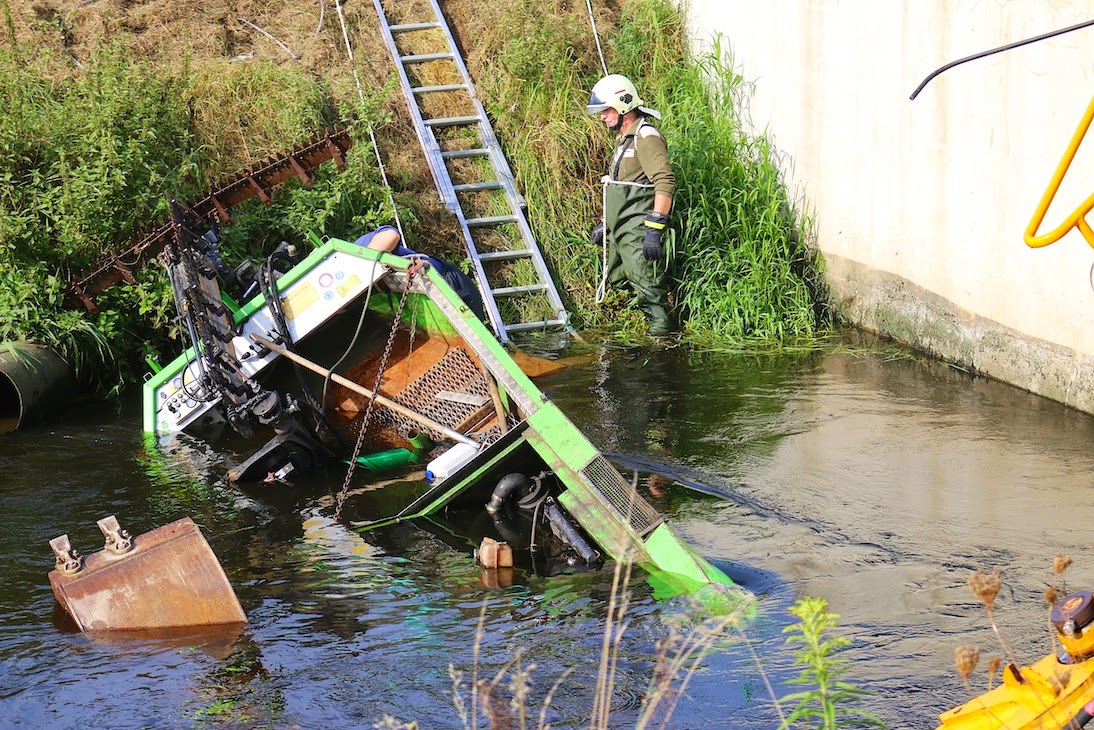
[{"x": 423, "y": 369}]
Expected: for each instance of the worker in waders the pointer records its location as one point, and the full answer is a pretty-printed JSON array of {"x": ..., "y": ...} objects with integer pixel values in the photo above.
[{"x": 637, "y": 200}]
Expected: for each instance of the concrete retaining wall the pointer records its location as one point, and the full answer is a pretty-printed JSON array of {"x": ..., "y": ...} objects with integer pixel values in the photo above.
[{"x": 921, "y": 205}]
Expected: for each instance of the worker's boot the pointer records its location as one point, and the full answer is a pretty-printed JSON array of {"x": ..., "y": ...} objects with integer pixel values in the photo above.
[{"x": 661, "y": 322}]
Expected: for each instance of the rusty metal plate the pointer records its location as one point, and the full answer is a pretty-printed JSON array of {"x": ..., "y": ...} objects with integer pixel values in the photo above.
[{"x": 169, "y": 578}]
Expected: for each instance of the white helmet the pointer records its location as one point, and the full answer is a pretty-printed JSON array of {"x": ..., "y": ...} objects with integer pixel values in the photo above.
[{"x": 616, "y": 92}]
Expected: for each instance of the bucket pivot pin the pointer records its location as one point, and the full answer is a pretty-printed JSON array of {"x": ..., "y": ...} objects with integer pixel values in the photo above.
[
  {"x": 69, "y": 560},
  {"x": 118, "y": 539}
]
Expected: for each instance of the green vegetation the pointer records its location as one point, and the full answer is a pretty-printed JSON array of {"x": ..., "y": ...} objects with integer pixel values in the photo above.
[
  {"x": 96, "y": 134},
  {"x": 828, "y": 702},
  {"x": 86, "y": 164}
]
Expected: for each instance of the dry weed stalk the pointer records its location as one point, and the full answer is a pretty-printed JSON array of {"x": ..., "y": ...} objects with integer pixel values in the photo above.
[
  {"x": 550, "y": 696},
  {"x": 985, "y": 586},
  {"x": 392, "y": 723},
  {"x": 457, "y": 695},
  {"x": 1061, "y": 563},
  {"x": 678, "y": 659},
  {"x": 764, "y": 677},
  {"x": 1051, "y": 597},
  {"x": 993, "y": 669},
  {"x": 1054, "y": 593},
  {"x": 614, "y": 627},
  {"x": 965, "y": 659}
]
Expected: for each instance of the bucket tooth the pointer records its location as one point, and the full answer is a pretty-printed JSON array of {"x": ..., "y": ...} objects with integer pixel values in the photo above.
[
  {"x": 69, "y": 560},
  {"x": 118, "y": 539}
]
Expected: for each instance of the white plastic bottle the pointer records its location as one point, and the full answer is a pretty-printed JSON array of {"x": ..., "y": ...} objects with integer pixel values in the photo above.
[{"x": 449, "y": 462}]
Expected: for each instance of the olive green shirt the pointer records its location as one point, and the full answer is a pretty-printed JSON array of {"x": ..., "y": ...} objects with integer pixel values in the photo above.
[{"x": 642, "y": 156}]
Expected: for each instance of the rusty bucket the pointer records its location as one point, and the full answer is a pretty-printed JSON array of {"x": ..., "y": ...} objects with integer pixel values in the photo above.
[{"x": 168, "y": 577}]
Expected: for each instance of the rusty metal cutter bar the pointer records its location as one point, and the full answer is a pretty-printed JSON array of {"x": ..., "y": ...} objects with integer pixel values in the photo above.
[{"x": 255, "y": 183}]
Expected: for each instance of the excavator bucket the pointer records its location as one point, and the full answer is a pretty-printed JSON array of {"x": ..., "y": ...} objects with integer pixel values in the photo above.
[{"x": 168, "y": 577}]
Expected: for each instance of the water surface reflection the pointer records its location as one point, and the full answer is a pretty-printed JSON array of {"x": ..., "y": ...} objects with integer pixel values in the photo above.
[{"x": 876, "y": 483}]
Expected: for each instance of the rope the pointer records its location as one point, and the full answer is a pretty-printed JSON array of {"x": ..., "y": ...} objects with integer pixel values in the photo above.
[
  {"x": 602, "y": 287},
  {"x": 596, "y": 36},
  {"x": 371, "y": 132}
]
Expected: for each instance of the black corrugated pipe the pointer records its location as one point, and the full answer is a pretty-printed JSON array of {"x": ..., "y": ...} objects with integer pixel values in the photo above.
[
  {"x": 34, "y": 382},
  {"x": 504, "y": 490}
]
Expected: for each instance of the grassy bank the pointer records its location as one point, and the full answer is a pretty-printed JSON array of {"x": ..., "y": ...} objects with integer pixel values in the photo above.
[{"x": 97, "y": 132}]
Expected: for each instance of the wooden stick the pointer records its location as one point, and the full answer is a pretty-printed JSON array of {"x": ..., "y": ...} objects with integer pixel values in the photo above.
[
  {"x": 399, "y": 408},
  {"x": 495, "y": 395}
]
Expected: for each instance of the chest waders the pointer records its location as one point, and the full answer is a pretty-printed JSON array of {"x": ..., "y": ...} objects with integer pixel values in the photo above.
[{"x": 625, "y": 208}]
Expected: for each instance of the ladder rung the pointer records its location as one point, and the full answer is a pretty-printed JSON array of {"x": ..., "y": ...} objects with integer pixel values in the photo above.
[
  {"x": 443, "y": 87},
  {"x": 490, "y": 221},
  {"x": 501, "y": 255},
  {"x": 456, "y": 154},
  {"x": 508, "y": 291},
  {"x": 404, "y": 27},
  {"x": 544, "y": 324},
  {"x": 476, "y": 187},
  {"x": 451, "y": 121},
  {"x": 426, "y": 57}
]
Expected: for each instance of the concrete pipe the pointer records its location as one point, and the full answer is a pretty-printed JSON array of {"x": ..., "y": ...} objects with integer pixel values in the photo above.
[{"x": 34, "y": 383}]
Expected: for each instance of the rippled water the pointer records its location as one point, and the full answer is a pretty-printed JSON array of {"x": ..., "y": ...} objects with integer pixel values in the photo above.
[{"x": 878, "y": 484}]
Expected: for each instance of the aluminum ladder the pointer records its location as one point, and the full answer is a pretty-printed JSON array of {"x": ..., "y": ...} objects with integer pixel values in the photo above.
[{"x": 470, "y": 171}]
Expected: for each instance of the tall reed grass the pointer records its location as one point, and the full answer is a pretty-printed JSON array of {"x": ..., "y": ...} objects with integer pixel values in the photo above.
[{"x": 86, "y": 163}]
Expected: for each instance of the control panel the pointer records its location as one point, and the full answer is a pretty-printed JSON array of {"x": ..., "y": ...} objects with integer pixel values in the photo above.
[{"x": 317, "y": 296}]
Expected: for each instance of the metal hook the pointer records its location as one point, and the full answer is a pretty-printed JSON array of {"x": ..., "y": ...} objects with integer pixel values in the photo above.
[
  {"x": 69, "y": 560},
  {"x": 118, "y": 540}
]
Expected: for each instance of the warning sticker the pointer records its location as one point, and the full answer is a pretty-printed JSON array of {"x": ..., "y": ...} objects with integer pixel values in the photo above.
[
  {"x": 349, "y": 286},
  {"x": 298, "y": 300}
]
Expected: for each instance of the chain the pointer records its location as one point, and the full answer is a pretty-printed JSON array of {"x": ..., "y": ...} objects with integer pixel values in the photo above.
[
  {"x": 410, "y": 348},
  {"x": 375, "y": 389}
]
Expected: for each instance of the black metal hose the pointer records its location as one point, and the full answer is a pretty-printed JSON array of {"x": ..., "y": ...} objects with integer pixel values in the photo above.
[
  {"x": 993, "y": 51},
  {"x": 504, "y": 490},
  {"x": 566, "y": 530}
]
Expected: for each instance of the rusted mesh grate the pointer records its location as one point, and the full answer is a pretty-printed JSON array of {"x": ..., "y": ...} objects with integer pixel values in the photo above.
[
  {"x": 456, "y": 372},
  {"x": 604, "y": 478}
]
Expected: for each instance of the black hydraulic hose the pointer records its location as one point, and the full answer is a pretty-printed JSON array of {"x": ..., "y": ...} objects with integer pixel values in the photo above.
[
  {"x": 504, "y": 490},
  {"x": 506, "y": 530},
  {"x": 1000, "y": 49},
  {"x": 267, "y": 281},
  {"x": 352, "y": 343}
]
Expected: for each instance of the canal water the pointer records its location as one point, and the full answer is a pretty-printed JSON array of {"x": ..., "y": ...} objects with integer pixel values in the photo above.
[{"x": 873, "y": 480}]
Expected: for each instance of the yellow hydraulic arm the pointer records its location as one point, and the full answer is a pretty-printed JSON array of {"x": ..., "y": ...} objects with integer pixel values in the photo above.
[{"x": 1077, "y": 219}]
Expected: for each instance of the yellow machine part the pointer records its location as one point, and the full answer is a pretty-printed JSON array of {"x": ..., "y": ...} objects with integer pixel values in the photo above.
[
  {"x": 1043, "y": 696},
  {"x": 1081, "y": 645}
]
